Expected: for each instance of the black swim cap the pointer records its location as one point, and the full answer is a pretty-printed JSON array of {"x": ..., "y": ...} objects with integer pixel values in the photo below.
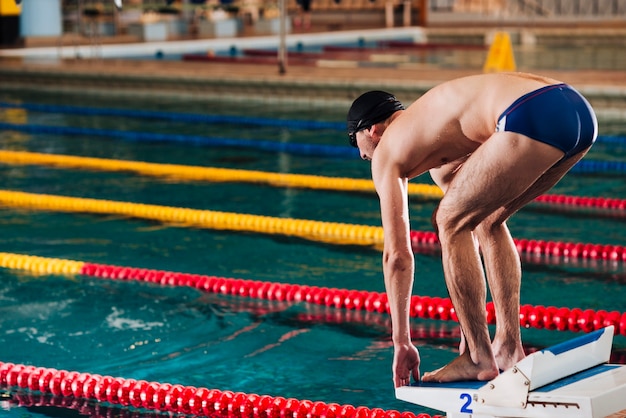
[{"x": 369, "y": 109}]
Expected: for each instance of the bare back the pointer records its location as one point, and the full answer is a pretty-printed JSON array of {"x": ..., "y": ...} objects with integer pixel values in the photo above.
[{"x": 451, "y": 120}]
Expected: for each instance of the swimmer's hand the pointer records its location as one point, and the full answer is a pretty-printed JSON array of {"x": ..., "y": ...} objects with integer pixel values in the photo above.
[{"x": 406, "y": 363}]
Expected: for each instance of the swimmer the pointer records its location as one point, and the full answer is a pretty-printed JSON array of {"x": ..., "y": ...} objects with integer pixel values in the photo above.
[{"x": 492, "y": 143}]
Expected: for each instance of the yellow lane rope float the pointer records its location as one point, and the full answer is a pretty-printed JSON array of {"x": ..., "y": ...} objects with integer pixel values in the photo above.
[
  {"x": 329, "y": 232},
  {"x": 40, "y": 265},
  {"x": 313, "y": 230},
  {"x": 197, "y": 173}
]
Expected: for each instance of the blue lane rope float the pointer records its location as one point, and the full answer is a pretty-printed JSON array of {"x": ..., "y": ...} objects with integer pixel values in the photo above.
[
  {"x": 611, "y": 139},
  {"x": 223, "y": 119},
  {"x": 336, "y": 151},
  {"x": 592, "y": 166},
  {"x": 271, "y": 146},
  {"x": 177, "y": 116}
]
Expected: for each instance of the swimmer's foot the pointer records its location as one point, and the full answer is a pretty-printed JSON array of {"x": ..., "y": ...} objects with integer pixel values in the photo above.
[
  {"x": 508, "y": 357},
  {"x": 462, "y": 368},
  {"x": 507, "y": 363}
]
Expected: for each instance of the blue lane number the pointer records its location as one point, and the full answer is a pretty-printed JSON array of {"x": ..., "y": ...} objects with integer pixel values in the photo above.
[{"x": 465, "y": 409}]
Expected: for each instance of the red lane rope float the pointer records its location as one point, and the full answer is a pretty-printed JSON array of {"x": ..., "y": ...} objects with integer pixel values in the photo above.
[
  {"x": 550, "y": 317},
  {"x": 589, "y": 202},
  {"x": 84, "y": 407},
  {"x": 429, "y": 241},
  {"x": 330, "y": 232},
  {"x": 178, "y": 398}
]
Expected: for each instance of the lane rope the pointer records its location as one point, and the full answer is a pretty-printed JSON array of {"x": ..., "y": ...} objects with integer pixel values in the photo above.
[
  {"x": 198, "y": 173},
  {"x": 327, "y": 232},
  {"x": 335, "y": 151},
  {"x": 176, "y": 398},
  {"x": 213, "y": 174},
  {"x": 177, "y": 116},
  {"x": 541, "y": 317},
  {"x": 313, "y": 230},
  {"x": 598, "y": 167},
  {"x": 210, "y": 119}
]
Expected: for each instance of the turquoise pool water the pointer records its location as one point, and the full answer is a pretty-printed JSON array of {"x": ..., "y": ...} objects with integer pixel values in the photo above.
[{"x": 181, "y": 335}]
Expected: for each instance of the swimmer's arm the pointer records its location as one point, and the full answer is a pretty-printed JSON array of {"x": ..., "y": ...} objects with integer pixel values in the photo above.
[{"x": 398, "y": 261}]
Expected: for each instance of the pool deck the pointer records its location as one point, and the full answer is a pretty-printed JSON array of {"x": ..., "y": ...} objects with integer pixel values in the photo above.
[{"x": 325, "y": 81}]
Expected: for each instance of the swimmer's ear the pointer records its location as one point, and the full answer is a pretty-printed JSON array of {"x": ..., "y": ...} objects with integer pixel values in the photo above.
[{"x": 376, "y": 131}]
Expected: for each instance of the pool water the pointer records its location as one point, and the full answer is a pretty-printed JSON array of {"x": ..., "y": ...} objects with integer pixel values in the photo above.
[{"x": 184, "y": 336}]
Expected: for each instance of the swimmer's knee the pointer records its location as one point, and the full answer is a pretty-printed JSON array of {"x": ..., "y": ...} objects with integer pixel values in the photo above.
[
  {"x": 495, "y": 221},
  {"x": 490, "y": 227},
  {"x": 449, "y": 220}
]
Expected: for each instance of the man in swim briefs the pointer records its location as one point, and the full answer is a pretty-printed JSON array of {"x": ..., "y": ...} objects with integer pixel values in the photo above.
[{"x": 493, "y": 143}]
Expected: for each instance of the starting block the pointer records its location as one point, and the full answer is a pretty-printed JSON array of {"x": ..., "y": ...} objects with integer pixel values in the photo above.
[{"x": 571, "y": 379}]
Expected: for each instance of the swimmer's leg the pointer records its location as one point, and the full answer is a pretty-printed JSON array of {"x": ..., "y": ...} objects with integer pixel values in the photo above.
[
  {"x": 504, "y": 275},
  {"x": 498, "y": 172},
  {"x": 503, "y": 267}
]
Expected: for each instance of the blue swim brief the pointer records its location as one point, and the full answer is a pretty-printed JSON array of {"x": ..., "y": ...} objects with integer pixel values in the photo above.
[{"x": 556, "y": 115}]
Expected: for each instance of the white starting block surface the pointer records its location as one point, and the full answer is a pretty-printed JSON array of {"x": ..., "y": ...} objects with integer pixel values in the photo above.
[{"x": 571, "y": 379}]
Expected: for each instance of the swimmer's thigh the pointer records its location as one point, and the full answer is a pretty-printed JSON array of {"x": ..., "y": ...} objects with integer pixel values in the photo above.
[
  {"x": 501, "y": 171},
  {"x": 542, "y": 185}
]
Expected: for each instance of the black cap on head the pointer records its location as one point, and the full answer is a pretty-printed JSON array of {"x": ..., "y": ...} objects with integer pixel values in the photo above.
[{"x": 369, "y": 109}]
